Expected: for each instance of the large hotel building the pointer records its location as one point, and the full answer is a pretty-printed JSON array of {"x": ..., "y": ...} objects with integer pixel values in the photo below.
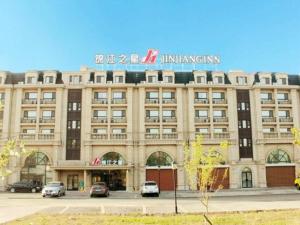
[{"x": 126, "y": 127}]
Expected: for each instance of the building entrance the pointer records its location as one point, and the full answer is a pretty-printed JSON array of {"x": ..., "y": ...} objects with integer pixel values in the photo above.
[{"x": 115, "y": 179}]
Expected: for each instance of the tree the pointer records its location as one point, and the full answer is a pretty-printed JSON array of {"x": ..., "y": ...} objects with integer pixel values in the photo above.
[{"x": 200, "y": 165}]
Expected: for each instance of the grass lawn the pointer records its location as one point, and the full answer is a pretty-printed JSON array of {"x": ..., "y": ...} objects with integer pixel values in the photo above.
[{"x": 291, "y": 217}]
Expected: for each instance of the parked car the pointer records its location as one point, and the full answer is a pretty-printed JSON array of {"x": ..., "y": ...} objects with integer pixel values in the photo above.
[
  {"x": 25, "y": 186},
  {"x": 297, "y": 182},
  {"x": 55, "y": 188},
  {"x": 99, "y": 189},
  {"x": 150, "y": 188}
]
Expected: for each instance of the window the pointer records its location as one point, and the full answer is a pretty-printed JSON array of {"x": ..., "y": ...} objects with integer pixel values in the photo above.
[
  {"x": 100, "y": 95},
  {"x": 219, "y": 113},
  {"x": 159, "y": 158},
  {"x": 31, "y": 95},
  {"x": 118, "y": 130},
  {"x": 152, "y": 79},
  {"x": 201, "y": 95},
  {"x": 47, "y": 131},
  {"x": 48, "y": 114},
  {"x": 152, "y": 113},
  {"x": 74, "y": 106},
  {"x": 30, "y": 114},
  {"x": 49, "y": 95},
  {"x": 282, "y": 81},
  {"x": 218, "y": 80},
  {"x": 278, "y": 156},
  {"x": 73, "y": 124},
  {"x": 168, "y": 79},
  {"x": 284, "y": 113},
  {"x": 49, "y": 80},
  {"x": 267, "y": 113},
  {"x": 152, "y": 95},
  {"x": 100, "y": 131},
  {"x": 265, "y": 80},
  {"x": 100, "y": 79},
  {"x": 202, "y": 130},
  {"x": 241, "y": 80},
  {"x": 31, "y": 80},
  {"x": 119, "y": 95},
  {"x": 218, "y": 95},
  {"x": 75, "y": 79},
  {"x": 219, "y": 130},
  {"x": 282, "y": 96},
  {"x": 201, "y": 79},
  {"x": 168, "y": 130},
  {"x": 119, "y": 113},
  {"x": 152, "y": 130},
  {"x": 201, "y": 113},
  {"x": 266, "y": 96},
  {"x": 268, "y": 130},
  {"x": 100, "y": 113},
  {"x": 168, "y": 113},
  {"x": 168, "y": 95},
  {"x": 285, "y": 130},
  {"x": 244, "y": 124},
  {"x": 2, "y": 96},
  {"x": 29, "y": 131},
  {"x": 119, "y": 79},
  {"x": 245, "y": 142},
  {"x": 243, "y": 106}
]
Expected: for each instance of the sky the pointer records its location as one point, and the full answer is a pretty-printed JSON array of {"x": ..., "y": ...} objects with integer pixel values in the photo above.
[{"x": 64, "y": 35}]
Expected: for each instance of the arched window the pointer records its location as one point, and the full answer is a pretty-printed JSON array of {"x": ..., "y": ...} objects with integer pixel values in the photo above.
[
  {"x": 246, "y": 178},
  {"x": 159, "y": 158},
  {"x": 278, "y": 156},
  {"x": 112, "y": 158},
  {"x": 37, "y": 168}
]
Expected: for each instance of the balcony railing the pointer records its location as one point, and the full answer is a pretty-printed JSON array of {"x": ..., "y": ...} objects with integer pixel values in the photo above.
[
  {"x": 222, "y": 135},
  {"x": 286, "y": 135},
  {"x": 270, "y": 135},
  {"x": 169, "y": 119},
  {"x": 276, "y": 135},
  {"x": 99, "y": 136},
  {"x": 220, "y": 119},
  {"x": 118, "y": 136},
  {"x": 268, "y": 119},
  {"x": 204, "y": 135},
  {"x": 151, "y": 101},
  {"x": 27, "y": 136},
  {"x": 152, "y": 119},
  {"x": 29, "y": 101},
  {"x": 118, "y": 101},
  {"x": 286, "y": 119},
  {"x": 28, "y": 120},
  {"x": 284, "y": 101},
  {"x": 99, "y": 101},
  {"x": 219, "y": 101},
  {"x": 201, "y": 100},
  {"x": 46, "y": 136},
  {"x": 118, "y": 120},
  {"x": 99, "y": 119},
  {"x": 201, "y": 119},
  {"x": 47, "y": 120},
  {"x": 48, "y": 101},
  {"x": 168, "y": 100},
  {"x": 170, "y": 136},
  {"x": 267, "y": 101},
  {"x": 151, "y": 136}
]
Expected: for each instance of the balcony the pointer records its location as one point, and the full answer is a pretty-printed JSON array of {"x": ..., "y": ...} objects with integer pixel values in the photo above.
[
  {"x": 28, "y": 120},
  {"x": 169, "y": 119},
  {"x": 118, "y": 101},
  {"x": 99, "y": 101},
  {"x": 27, "y": 136},
  {"x": 267, "y": 101},
  {"x": 204, "y": 135},
  {"x": 118, "y": 120},
  {"x": 47, "y": 120},
  {"x": 169, "y": 136},
  {"x": 286, "y": 135},
  {"x": 286, "y": 119},
  {"x": 168, "y": 100},
  {"x": 220, "y": 119},
  {"x": 151, "y": 101},
  {"x": 152, "y": 136},
  {"x": 202, "y": 119},
  {"x": 48, "y": 101},
  {"x": 268, "y": 119},
  {"x": 270, "y": 135},
  {"x": 219, "y": 101},
  {"x": 118, "y": 136},
  {"x": 283, "y": 101},
  {"x": 99, "y": 136},
  {"x": 29, "y": 101},
  {"x": 201, "y": 101},
  {"x": 46, "y": 136},
  {"x": 152, "y": 119},
  {"x": 223, "y": 135},
  {"x": 99, "y": 119}
]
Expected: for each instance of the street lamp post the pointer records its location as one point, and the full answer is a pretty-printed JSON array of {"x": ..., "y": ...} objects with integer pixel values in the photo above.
[{"x": 175, "y": 192}]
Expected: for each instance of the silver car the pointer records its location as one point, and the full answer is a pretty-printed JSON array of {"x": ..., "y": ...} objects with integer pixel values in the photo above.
[
  {"x": 150, "y": 188},
  {"x": 52, "y": 189}
]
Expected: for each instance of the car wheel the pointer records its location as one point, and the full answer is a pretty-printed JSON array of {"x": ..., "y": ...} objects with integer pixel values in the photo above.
[
  {"x": 143, "y": 195},
  {"x": 157, "y": 195},
  {"x": 91, "y": 196},
  {"x": 12, "y": 190},
  {"x": 33, "y": 190}
]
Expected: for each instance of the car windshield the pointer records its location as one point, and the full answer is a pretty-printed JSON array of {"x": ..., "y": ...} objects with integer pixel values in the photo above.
[
  {"x": 53, "y": 185},
  {"x": 150, "y": 184}
]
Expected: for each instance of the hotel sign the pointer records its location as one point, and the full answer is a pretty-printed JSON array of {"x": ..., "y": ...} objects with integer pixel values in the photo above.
[{"x": 153, "y": 57}]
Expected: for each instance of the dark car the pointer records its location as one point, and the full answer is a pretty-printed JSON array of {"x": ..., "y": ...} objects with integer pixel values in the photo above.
[
  {"x": 25, "y": 186},
  {"x": 99, "y": 189}
]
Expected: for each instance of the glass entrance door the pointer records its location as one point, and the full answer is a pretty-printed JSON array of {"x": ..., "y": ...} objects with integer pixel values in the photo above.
[
  {"x": 247, "y": 179},
  {"x": 72, "y": 182}
]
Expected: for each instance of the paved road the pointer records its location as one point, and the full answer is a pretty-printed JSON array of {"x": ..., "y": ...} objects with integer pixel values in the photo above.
[{"x": 17, "y": 205}]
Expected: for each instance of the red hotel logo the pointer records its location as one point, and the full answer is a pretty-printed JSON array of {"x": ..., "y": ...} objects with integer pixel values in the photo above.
[{"x": 151, "y": 56}]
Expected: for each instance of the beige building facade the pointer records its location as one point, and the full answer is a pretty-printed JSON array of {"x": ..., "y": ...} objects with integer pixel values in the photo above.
[{"x": 126, "y": 127}]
